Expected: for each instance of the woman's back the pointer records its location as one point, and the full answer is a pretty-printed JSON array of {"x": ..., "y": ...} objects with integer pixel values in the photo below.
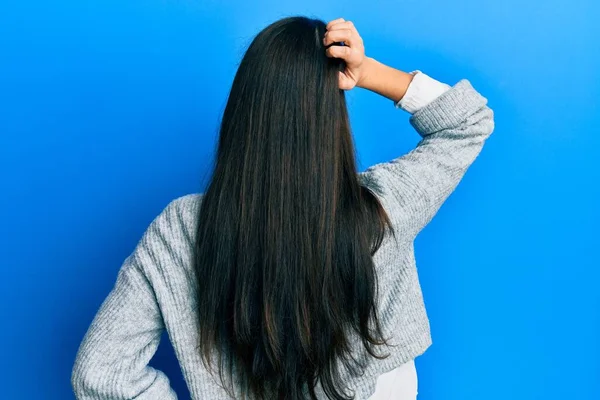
[{"x": 159, "y": 286}]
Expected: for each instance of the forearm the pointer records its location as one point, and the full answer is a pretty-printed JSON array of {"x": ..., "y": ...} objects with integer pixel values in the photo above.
[{"x": 384, "y": 80}]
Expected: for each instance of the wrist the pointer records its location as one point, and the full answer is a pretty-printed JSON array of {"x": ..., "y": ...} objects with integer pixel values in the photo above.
[
  {"x": 369, "y": 64},
  {"x": 384, "y": 80}
]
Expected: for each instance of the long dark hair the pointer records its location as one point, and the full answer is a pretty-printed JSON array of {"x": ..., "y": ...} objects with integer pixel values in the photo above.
[{"x": 286, "y": 233}]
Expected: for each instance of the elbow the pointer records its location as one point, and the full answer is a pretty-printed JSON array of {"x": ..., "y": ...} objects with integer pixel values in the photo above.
[
  {"x": 85, "y": 379},
  {"x": 490, "y": 124},
  {"x": 78, "y": 383},
  {"x": 482, "y": 124},
  {"x": 81, "y": 381},
  {"x": 487, "y": 123}
]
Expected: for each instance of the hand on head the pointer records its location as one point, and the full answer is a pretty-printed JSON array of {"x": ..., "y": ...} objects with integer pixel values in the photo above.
[{"x": 352, "y": 52}]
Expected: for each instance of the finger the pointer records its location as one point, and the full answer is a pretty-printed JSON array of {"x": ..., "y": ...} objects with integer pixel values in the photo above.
[
  {"x": 344, "y": 82},
  {"x": 343, "y": 25},
  {"x": 348, "y": 25},
  {"x": 335, "y": 21},
  {"x": 343, "y": 52},
  {"x": 340, "y": 35}
]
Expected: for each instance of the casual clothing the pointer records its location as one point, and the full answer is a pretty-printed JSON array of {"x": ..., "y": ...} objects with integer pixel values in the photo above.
[
  {"x": 399, "y": 384},
  {"x": 155, "y": 286}
]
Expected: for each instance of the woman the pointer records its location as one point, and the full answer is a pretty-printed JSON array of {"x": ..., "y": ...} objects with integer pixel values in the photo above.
[{"x": 293, "y": 276}]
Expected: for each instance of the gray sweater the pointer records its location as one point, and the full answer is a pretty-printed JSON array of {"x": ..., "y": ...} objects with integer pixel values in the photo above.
[{"x": 154, "y": 289}]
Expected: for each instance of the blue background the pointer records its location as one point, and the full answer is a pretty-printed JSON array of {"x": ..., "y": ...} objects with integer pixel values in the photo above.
[{"x": 109, "y": 110}]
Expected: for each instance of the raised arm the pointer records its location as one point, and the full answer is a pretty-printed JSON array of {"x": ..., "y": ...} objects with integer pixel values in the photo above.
[{"x": 453, "y": 121}]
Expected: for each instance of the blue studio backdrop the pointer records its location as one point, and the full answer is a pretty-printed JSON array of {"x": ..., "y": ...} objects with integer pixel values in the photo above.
[{"x": 109, "y": 110}]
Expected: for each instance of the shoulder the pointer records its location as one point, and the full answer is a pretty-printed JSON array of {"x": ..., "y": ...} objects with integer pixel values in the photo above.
[
  {"x": 377, "y": 182},
  {"x": 180, "y": 211},
  {"x": 182, "y": 207},
  {"x": 171, "y": 232}
]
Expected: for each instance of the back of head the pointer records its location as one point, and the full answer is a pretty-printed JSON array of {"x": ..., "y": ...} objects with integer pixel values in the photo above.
[
  {"x": 285, "y": 104},
  {"x": 286, "y": 233}
]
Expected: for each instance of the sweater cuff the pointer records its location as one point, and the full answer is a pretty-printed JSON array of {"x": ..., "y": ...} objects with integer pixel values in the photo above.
[{"x": 422, "y": 90}]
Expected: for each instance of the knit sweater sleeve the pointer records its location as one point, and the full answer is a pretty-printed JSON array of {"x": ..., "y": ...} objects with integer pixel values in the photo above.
[
  {"x": 112, "y": 360},
  {"x": 453, "y": 123}
]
